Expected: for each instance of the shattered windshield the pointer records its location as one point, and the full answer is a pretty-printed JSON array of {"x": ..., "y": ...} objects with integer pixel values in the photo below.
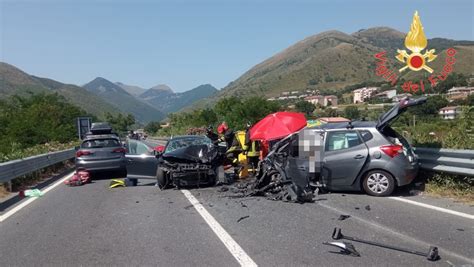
[{"x": 185, "y": 142}]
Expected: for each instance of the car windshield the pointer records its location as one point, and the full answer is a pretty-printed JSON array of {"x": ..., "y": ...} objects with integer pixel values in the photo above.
[
  {"x": 185, "y": 142},
  {"x": 99, "y": 143}
]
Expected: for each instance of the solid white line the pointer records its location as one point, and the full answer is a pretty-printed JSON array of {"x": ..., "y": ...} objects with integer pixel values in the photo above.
[
  {"x": 234, "y": 248},
  {"x": 457, "y": 213},
  {"x": 31, "y": 199}
]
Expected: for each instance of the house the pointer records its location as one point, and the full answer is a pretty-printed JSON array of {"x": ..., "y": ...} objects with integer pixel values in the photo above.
[
  {"x": 386, "y": 94},
  {"x": 460, "y": 92},
  {"x": 361, "y": 94},
  {"x": 316, "y": 99},
  {"x": 330, "y": 100},
  {"x": 295, "y": 92},
  {"x": 449, "y": 113},
  {"x": 285, "y": 93},
  {"x": 282, "y": 98},
  {"x": 271, "y": 99},
  {"x": 399, "y": 97}
]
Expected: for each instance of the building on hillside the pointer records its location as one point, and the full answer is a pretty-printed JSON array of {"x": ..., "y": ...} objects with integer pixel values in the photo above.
[
  {"x": 282, "y": 98},
  {"x": 361, "y": 94},
  {"x": 295, "y": 92},
  {"x": 271, "y": 99},
  {"x": 399, "y": 97},
  {"x": 330, "y": 100},
  {"x": 302, "y": 96},
  {"x": 386, "y": 94},
  {"x": 315, "y": 99},
  {"x": 292, "y": 97},
  {"x": 285, "y": 93},
  {"x": 460, "y": 92},
  {"x": 450, "y": 113}
]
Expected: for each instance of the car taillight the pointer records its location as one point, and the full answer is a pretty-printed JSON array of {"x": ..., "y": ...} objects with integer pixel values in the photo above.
[
  {"x": 83, "y": 153},
  {"x": 392, "y": 150},
  {"x": 119, "y": 150}
]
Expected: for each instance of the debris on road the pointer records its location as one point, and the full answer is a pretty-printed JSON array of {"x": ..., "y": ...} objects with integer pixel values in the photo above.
[
  {"x": 79, "y": 178},
  {"x": 223, "y": 189},
  {"x": 31, "y": 193},
  {"x": 367, "y": 207},
  {"x": 346, "y": 248},
  {"x": 431, "y": 255},
  {"x": 243, "y": 218},
  {"x": 357, "y": 208},
  {"x": 343, "y": 217},
  {"x": 188, "y": 207},
  {"x": 243, "y": 205},
  {"x": 117, "y": 183}
]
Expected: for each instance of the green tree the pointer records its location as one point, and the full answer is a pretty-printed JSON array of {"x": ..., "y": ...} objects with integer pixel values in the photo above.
[
  {"x": 152, "y": 127},
  {"x": 120, "y": 123},
  {"x": 305, "y": 107},
  {"x": 352, "y": 112}
]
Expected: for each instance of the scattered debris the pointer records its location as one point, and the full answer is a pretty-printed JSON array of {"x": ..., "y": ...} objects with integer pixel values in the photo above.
[
  {"x": 431, "y": 255},
  {"x": 31, "y": 193},
  {"x": 343, "y": 195},
  {"x": 188, "y": 207},
  {"x": 117, "y": 183},
  {"x": 170, "y": 202},
  {"x": 210, "y": 205},
  {"x": 343, "y": 217},
  {"x": 243, "y": 218},
  {"x": 223, "y": 189},
  {"x": 243, "y": 205},
  {"x": 137, "y": 201},
  {"x": 367, "y": 207},
  {"x": 346, "y": 248},
  {"x": 79, "y": 178},
  {"x": 461, "y": 230},
  {"x": 357, "y": 208}
]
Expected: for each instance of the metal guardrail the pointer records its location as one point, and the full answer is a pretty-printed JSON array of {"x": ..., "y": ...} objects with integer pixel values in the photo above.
[
  {"x": 454, "y": 161},
  {"x": 12, "y": 169}
]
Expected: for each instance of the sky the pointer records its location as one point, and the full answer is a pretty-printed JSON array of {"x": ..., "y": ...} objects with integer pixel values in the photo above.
[{"x": 187, "y": 43}]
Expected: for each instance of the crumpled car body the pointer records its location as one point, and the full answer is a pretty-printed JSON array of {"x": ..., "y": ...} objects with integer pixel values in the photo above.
[{"x": 189, "y": 161}]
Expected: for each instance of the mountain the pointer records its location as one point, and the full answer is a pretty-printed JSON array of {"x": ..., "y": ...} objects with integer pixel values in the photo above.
[
  {"x": 332, "y": 60},
  {"x": 122, "y": 100},
  {"x": 14, "y": 81},
  {"x": 131, "y": 89},
  {"x": 163, "y": 98}
]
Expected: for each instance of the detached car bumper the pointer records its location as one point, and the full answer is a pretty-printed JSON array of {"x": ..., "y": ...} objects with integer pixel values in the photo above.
[{"x": 101, "y": 165}]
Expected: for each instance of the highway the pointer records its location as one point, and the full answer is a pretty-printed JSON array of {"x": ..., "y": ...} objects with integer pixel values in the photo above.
[{"x": 93, "y": 225}]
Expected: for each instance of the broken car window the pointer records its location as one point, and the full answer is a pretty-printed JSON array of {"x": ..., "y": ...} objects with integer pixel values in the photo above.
[{"x": 342, "y": 140}]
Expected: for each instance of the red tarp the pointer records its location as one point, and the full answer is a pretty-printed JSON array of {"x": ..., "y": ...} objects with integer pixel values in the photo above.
[{"x": 277, "y": 125}]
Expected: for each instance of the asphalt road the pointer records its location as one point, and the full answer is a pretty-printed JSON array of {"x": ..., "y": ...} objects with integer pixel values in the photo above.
[{"x": 93, "y": 225}]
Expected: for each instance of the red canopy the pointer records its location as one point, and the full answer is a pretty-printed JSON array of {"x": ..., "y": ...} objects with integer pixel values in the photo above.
[{"x": 277, "y": 125}]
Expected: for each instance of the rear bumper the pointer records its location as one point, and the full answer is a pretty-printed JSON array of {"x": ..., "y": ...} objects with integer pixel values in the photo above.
[
  {"x": 406, "y": 174},
  {"x": 102, "y": 165}
]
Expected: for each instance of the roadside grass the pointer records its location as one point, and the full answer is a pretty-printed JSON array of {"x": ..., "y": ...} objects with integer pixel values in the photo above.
[{"x": 457, "y": 187}]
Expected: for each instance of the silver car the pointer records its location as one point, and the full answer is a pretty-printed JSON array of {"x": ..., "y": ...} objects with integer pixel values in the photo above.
[
  {"x": 101, "y": 153},
  {"x": 360, "y": 155}
]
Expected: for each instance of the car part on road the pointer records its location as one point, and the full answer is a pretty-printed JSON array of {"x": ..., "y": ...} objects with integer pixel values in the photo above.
[
  {"x": 343, "y": 217},
  {"x": 346, "y": 248},
  {"x": 431, "y": 255},
  {"x": 243, "y": 218},
  {"x": 79, "y": 178},
  {"x": 31, "y": 193}
]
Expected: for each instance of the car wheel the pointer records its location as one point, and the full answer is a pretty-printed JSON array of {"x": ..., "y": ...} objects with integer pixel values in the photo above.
[
  {"x": 378, "y": 183},
  {"x": 161, "y": 178}
]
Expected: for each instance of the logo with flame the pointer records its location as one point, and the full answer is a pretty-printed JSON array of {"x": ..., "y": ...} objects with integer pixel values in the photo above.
[{"x": 416, "y": 41}]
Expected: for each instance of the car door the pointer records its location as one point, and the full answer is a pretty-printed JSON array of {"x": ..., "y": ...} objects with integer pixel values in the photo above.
[
  {"x": 141, "y": 161},
  {"x": 345, "y": 154}
]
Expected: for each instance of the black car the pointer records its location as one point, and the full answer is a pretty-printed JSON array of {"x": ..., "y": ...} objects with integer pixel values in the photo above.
[
  {"x": 184, "y": 161},
  {"x": 190, "y": 160}
]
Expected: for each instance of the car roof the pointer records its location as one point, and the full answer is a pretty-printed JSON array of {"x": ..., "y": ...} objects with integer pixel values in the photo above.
[
  {"x": 100, "y": 136},
  {"x": 187, "y": 136},
  {"x": 344, "y": 125}
]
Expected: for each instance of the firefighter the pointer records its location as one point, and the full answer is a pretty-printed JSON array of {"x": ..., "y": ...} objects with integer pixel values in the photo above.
[
  {"x": 233, "y": 148},
  {"x": 252, "y": 150},
  {"x": 212, "y": 135}
]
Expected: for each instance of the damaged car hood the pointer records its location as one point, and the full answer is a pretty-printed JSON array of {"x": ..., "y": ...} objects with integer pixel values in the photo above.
[{"x": 194, "y": 153}]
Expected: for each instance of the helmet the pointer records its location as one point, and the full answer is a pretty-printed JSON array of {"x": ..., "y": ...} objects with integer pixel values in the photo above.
[{"x": 222, "y": 128}]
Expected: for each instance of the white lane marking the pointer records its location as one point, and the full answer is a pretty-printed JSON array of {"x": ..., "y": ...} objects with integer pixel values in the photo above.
[
  {"x": 401, "y": 236},
  {"x": 31, "y": 199},
  {"x": 457, "y": 213},
  {"x": 234, "y": 248}
]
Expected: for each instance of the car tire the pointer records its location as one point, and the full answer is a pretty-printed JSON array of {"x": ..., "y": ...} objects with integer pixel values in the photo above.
[
  {"x": 378, "y": 183},
  {"x": 161, "y": 178}
]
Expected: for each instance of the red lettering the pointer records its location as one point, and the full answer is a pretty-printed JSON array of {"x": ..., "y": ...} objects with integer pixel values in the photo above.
[
  {"x": 393, "y": 78},
  {"x": 406, "y": 86},
  {"x": 433, "y": 81},
  {"x": 450, "y": 60},
  {"x": 381, "y": 70},
  {"x": 422, "y": 86},
  {"x": 442, "y": 77},
  {"x": 381, "y": 56},
  {"x": 451, "y": 52},
  {"x": 447, "y": 69}
]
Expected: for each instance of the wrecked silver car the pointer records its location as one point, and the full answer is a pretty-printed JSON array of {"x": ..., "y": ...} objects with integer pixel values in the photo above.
[{"x": 190, "y": 160}]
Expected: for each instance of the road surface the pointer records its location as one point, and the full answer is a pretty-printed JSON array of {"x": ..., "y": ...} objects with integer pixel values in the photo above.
[{"x": 93, "y": 225}]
